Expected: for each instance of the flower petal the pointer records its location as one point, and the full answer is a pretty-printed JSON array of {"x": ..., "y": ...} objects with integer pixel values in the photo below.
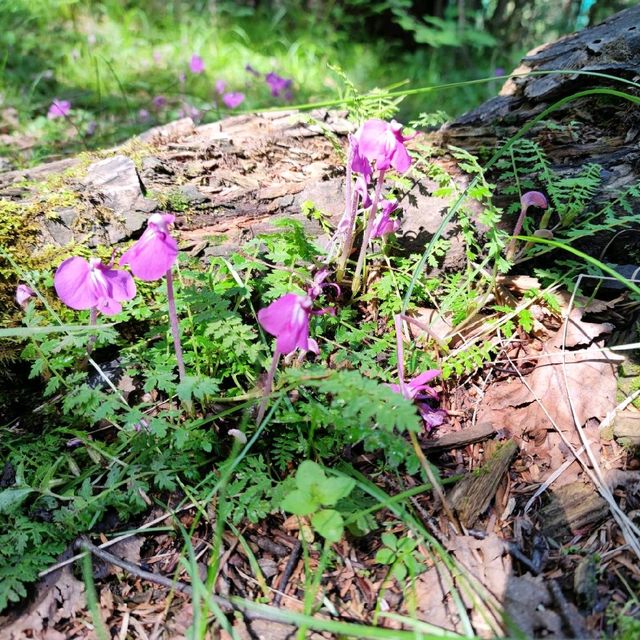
[
  {"x": 73, "y": 285},
  {"x": 152, "y": 255},
  {"x": 121, "y": 284},
  {"x": 287, "y": 318}
]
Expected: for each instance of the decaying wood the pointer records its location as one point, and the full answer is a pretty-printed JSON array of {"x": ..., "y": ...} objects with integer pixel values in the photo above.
[
  {"x": 626, "y": 427},
  {"x": 457, "y": 439},
  {"x": 230, "y": 180},
  {"x": 470, "y": 498},
  {"x": 600, "y": 130},
  {"x": 575, "y": 508}
]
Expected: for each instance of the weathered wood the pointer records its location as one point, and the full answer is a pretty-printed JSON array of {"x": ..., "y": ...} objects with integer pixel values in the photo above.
[
  {"x": 230, "y": 180},
  {"x": 626, "y": 427},
  {"x": 461, "y": 438},
  {"x": 575, "y": 508},
  {"x": 600, "y": 130},
  {"x": 470, "y": 498}
]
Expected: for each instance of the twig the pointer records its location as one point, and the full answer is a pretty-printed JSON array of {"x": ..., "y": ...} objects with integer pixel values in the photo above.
[
  {"x": 84, "y": 544},
  {"x": 288, "y": 571},
  {"x": 567, "y": 614}
]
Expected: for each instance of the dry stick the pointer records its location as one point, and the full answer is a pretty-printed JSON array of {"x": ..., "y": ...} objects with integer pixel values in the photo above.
[
  {"x": 226, "y": 605},
  {"x": 578, "y": 629},
  {"x": 175, "y": 585},
  {"x": 288, "y": 571}
]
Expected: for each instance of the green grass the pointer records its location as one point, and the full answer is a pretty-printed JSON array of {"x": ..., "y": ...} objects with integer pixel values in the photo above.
[{"x": 111, "y": 61}]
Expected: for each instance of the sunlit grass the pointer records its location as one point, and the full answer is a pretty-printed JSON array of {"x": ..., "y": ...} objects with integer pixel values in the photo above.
[{"x": 111, "y": 61}]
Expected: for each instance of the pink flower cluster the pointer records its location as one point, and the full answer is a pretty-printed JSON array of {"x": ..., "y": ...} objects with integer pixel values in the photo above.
[{"x": 89, "y": 284}]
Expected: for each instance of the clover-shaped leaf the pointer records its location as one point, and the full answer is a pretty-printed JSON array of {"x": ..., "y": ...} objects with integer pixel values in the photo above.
[{"x": 329, "y": 524}]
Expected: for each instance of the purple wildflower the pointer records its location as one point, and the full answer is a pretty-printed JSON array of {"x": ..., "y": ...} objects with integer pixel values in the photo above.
[
  {"x": 23, "y": 293},
  {"x": 499, "y": 71},
  {"x": 287, "y": 318},
  {"x": 359, "y": 163},
  {"x": 159, "y": 102},
  {"x": 419, "y": 392},
  {"x": 221, "y": 85},
  {"x": 151, "y": 258},
  {"x": 233, "y": 99},
  {"x": 93, "y": 285},
  {"x": 533, "y": 199},
  {"x": 383, "y": 143},
  {"x": 155, "y": 252},
  {"x": 528, "y": 199},
  {"x": 196, "y": 64},
  {"x": 59, "y": 109},
  {"x": 383, "y": 223},
  {"x": 279, "y": 85}
]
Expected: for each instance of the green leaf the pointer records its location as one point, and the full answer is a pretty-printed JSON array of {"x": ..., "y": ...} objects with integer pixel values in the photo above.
[
  {"x": 399, "y": 571},
  {"x": 334, "y": 489},
  {"x": 309, "y": 475},
  {"x": 329, "y": 524},
  {"x": 389, "y": 540},
  {"x": 385, "y": 556},
  {"x": 299, "y": 503},
  {"x": 13, "y": 497}
]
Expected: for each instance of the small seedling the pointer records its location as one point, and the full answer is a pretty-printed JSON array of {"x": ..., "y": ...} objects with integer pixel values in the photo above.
[{"x": 314, "y": 492}]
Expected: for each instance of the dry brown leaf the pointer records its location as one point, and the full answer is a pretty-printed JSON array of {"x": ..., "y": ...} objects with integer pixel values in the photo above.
[
  {"x": 580, "y": 332},
  {"x": 60, "y": 599},
  {"x": 524, "y": 598},
  {"x": 590, "y": 381}
]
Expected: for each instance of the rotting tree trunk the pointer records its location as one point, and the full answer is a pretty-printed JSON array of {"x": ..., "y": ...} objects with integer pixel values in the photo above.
[
  {"x": 595, "y": 129},
  {"x": 230, "y": 180}
]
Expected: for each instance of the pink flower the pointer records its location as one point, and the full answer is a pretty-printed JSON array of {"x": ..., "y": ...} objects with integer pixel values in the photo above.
[
  {"x": 59, "y": 109},
  {"x": 419, "y": 391},
  {"x": 233, "y": 99},
  {"x": 418, "y": 388},
  {"x": 279, "y": 85},
  {"x": 220, "y": 86},
  {"x": 196, "y": 64},
  {"x": 362, "y": 189},
  {"x": 359, "y": 163},
  {"x": 384, "y": 224},
  {"x": 155, "y": 252},
  {"x": 383, "y": 143},
  {"x": 87, "y": 285},
  {"x": 287, "y": 318},
  {"x": 23, "y": 293},
  {"x": 533, "y": 199}
]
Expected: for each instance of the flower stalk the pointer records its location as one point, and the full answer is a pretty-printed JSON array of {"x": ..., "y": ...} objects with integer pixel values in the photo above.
[
  {"x": 175, "y": 327},
  {"x": 355, "y": 286}
]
